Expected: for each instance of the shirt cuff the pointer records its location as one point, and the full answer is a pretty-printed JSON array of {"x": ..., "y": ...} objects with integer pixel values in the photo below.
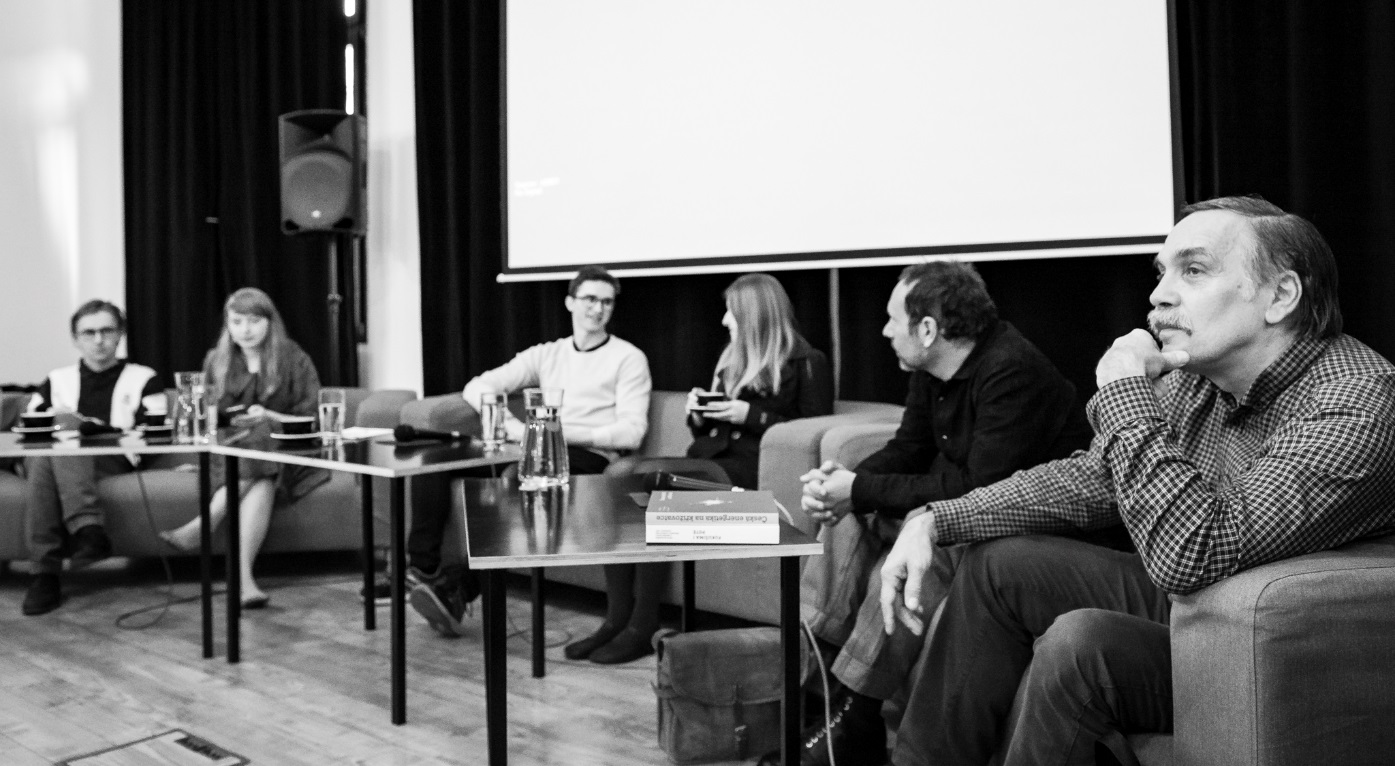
[
  {"x": 954, "y": 521},
  {"x": 1123, "y": 402}
]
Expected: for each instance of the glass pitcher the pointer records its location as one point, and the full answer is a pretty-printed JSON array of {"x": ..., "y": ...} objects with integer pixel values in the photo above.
[{"x": 544, "y": 461}]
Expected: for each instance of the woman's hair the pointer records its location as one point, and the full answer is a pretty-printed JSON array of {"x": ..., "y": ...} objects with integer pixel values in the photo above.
[
  {"x": 254, "y": 302},
  {"x": 765, "y": 336}
]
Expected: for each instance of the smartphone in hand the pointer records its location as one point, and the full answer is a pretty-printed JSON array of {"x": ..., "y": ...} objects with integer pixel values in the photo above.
[{"x": 705, "y": 400}]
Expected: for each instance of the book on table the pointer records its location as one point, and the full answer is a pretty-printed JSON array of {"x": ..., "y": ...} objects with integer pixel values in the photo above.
[{"x": 733, "y": 518}]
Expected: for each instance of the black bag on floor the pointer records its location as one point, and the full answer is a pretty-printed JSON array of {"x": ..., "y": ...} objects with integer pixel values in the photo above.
[{"x": 719, "y": 692}]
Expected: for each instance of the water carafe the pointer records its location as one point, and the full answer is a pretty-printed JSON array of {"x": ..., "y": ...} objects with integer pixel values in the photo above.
[{"x": 544, "y": 461}]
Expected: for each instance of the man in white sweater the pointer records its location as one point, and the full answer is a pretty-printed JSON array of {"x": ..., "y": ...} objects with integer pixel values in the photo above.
[{"x": 605, "y": 414}]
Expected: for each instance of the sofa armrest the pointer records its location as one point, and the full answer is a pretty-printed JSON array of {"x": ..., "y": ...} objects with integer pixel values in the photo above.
[
  {"x": 443, "y": 412},
  {"x": 382, "y": 409},
  {"x": 790, "y": 449},
  {"x": 1290, "y": 662}
]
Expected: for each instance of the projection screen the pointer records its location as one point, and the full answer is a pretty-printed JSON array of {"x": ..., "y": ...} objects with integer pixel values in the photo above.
[{"x": 657, "y": 136}]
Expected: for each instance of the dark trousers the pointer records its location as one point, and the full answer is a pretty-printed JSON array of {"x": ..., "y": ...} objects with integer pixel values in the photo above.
[
  {"x": 1046, "y": 646},
  {"x": 432, "y": 506},
  {"x": 62, "y": 498}
]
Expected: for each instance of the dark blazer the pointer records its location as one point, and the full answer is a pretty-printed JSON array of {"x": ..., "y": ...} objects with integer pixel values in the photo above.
[
  {"x": 806, "y": 390},
  {"x": 297, "y": 394}
]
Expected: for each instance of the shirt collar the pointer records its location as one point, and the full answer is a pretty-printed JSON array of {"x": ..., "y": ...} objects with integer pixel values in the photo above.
[
  {"x": 1283, "y": 372},
  {"x": 975, "y": 357},
  {"x": 87, "y": 373}
]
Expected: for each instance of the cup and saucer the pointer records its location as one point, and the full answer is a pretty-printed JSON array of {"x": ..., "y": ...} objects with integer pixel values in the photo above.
[
  {"x": 297, "y": 431},
  {"x": 36, "y": 426},
  {"x": 155, "y": 424}
]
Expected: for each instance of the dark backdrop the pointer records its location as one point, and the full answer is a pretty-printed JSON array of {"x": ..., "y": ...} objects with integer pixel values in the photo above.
[
  {"x": 1294, "y": 100},
  {"x": 203, "y": 86}
]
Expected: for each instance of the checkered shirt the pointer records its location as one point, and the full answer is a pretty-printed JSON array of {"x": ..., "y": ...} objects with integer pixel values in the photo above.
[{"x": 1208, "y": 486}]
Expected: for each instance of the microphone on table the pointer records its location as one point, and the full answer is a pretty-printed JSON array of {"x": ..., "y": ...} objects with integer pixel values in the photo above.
[{"x": 406, "y": 433}]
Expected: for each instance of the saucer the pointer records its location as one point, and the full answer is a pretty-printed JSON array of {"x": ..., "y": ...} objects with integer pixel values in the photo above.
[
  {"x": 37, "y": 430},
  {"x": 143, "y": 428},
  {"x": 295, "y": 437}
]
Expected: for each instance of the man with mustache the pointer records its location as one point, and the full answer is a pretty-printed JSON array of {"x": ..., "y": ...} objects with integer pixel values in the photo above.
[{"x": 1249, "y": 430}]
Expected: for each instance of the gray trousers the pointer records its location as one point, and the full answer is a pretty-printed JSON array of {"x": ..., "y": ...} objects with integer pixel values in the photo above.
[
  {"x": 62, "y": 498},
  {"x": 840, "y": 598}
]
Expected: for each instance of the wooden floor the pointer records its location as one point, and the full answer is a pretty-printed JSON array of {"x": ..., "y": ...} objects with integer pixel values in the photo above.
[{"x": 312, "y": 687}]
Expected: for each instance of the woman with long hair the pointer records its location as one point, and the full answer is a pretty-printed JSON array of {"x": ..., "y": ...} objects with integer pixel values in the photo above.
[
  {"x": 256, "y": 370},
  {"x": 767, "y": 374}
]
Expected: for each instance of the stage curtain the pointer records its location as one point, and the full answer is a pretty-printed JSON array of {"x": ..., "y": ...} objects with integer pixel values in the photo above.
[
  {"x": 1292, "y": 100},
  {"x": 203, "y": 85}
]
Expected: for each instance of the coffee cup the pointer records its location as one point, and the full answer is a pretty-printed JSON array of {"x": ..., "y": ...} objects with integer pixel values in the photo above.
[
  {"x": 155, "y": 419},
  {"x": 37, "y": 419},
  {"x": 298, "y": 425}
]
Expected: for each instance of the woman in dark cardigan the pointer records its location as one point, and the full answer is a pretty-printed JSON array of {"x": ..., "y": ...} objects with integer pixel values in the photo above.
[
  {"x": 257, "y": 368},
  {"x": 768, "y": 374}
]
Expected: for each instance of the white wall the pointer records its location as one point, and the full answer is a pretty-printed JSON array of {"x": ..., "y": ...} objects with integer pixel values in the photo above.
[
  {"x": 393, "y": 356},
  {"x": 61, "y": 210}
]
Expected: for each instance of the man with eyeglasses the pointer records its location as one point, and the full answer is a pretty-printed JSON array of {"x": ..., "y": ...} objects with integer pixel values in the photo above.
[
  {"x": 65, "y": 517},
  {"x": 605, "y": 413}
]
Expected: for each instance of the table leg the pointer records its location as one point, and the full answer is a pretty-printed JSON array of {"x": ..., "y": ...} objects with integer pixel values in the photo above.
[
  {"x": 791, "y": 716},
  {"x": 689, "y": 622},
  {"x": 234, "y": 582},
  {"x": 495, "y": 696},
  {"x": 398, "y": 569},
  {"x": 539, "y": 639},
  {"x": 206, "y": 554},
  {"x": 370, "y": 611}
]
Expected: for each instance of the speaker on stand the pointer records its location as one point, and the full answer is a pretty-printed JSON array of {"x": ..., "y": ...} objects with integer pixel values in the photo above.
[{"x": 323, "y": 193}]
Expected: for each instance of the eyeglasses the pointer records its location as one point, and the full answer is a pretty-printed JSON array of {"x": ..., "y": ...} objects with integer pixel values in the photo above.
[
  {"x": 100, "y": 332},
  {"x": 591, "y": 301}
]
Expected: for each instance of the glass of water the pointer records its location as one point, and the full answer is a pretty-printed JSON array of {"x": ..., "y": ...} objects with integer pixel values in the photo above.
[
  {"x": 332, "y": 413},
  {"x": 492, "y": 408}
]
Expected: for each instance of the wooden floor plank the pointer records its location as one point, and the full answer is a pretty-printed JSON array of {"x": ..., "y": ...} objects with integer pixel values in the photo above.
[{"x": 313, "y": 687}]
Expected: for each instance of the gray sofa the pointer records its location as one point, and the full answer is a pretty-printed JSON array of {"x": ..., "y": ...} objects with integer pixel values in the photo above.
[
  {"x": 787, "y": 451},
  {"x": 325, "y": 519}
]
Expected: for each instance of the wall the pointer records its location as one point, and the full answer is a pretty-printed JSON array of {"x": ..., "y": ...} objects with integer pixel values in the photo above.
[
  {"x": 392, "y": 358},
  {"x": 61, "y": 205}
]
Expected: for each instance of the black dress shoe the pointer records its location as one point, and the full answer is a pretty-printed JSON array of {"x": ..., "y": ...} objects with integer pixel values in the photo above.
[
  {"x": 628, "y": 645},
  {"x": 90, "y": 545},
  {"x": 857, "y": 732},
  {"x": 44, "y": 595}
]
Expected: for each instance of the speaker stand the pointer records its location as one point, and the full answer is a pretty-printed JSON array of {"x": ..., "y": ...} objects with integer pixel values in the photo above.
[{"x": 333, "y": 302}]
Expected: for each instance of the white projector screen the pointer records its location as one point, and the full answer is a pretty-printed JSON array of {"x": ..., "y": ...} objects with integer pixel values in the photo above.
[{"x": 663, "y": 136}]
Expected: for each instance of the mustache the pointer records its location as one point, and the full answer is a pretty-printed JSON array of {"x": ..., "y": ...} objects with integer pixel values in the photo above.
[{"x": 1166, "y": 320}]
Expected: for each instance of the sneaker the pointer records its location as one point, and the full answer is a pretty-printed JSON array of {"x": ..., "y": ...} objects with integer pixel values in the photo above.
[
  {"x": 382, "y": 586},
  {"x": 858, "y": 736},
  {"x": 90, "y": 545},
  {"x": 44, "y": 595},
  {"x": 445, "y": 598}
]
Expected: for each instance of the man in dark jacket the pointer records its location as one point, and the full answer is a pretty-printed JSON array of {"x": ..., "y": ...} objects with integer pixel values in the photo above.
[{"x": 983, "y": 402}]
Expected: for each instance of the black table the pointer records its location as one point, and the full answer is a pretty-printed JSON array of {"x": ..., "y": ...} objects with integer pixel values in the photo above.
[
  {"x": 595, "y": 521},
  {"x": 380, "y": 457}
]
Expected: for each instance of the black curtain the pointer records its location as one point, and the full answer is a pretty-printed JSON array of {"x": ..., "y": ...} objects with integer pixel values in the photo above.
[
  {"x": 1292, "y": 100},
  {"x": 203, "y": 85}
]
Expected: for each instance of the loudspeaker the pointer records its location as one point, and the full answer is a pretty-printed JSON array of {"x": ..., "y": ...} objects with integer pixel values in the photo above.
[{"x": 322, "y": 172}]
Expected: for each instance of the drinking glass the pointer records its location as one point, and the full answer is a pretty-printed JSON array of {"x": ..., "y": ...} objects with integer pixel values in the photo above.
[
  {"x": 332, "y": 413},
  {"x": 544, "y": 462},
  {"x": 492, "y": 408},
  {"x": 189, "y": 407}
]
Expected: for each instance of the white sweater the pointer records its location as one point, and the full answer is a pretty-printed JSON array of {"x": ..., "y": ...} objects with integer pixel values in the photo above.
[{"x": 605, "y": 406}]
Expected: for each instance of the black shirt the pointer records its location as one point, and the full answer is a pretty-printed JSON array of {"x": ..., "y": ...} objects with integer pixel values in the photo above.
[
  {"x": 95, "y": 390},
  {"x": 1006, "y": 408}
]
